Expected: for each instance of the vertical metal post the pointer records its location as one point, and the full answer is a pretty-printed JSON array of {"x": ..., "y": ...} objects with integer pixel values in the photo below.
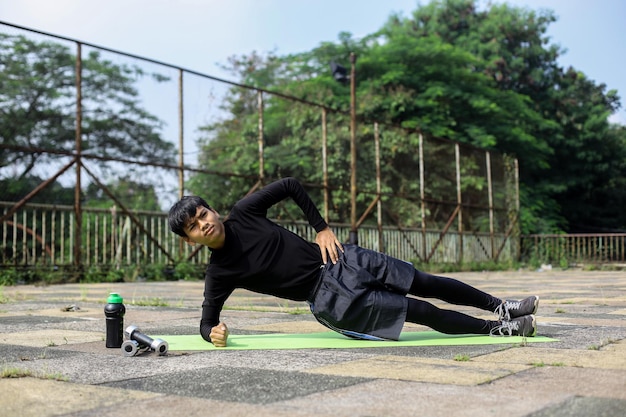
[
  {"x": 181, "y": 137},
  {"x": 181, "y": 148},
  {"x": 490, "y": 192},
  {"x": 457, "y": 154},
  {"x": 379, "y": 207},
  {"x": 261, "y": 145},
  {"x": 354, "y": 238},
  {"x": 516, "y": 232},
  {"x": 78, "y": 212},
  {"x": 325, "y": 163},
  {"x": 422, "y": 194}
]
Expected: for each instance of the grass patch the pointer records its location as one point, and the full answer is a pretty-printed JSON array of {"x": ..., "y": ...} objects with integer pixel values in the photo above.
[
  {"x": 442, "y": 268},
  {"x": 14, "y": 372},
  {"x": 149, "y": 302},
  {"x": 462, "y": 358},
  {"x": 542, "y": 364},
  {"x": 267, "y": 309},
  {"x": 602, "y": 344},
  {"x": 3, "y": 298}
]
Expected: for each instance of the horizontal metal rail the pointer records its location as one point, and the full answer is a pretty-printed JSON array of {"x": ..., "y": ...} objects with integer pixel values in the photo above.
[
  {"x": 568, "y": 249},
  {"x": 40, "y": 234}
]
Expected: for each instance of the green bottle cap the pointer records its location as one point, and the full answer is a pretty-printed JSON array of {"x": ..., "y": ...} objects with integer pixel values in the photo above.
[{"x": 115, "y": 298}]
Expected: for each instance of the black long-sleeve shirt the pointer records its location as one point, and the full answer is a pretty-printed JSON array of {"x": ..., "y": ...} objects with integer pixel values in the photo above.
[{"x": 260, "y": 255}]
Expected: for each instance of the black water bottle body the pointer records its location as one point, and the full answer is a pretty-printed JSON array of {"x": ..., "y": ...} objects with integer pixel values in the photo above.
[{"x": 114, "y": 311}]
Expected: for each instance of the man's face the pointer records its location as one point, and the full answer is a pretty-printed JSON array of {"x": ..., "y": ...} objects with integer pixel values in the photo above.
[{"x": 205, "y": 228}]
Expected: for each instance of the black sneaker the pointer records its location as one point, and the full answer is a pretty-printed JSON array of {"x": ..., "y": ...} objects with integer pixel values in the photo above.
[
  {"x": 510, "y": 309},
  {"x": 520, "y": 326}
]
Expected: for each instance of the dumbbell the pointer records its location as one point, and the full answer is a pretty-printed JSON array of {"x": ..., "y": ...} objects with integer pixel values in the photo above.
[
  {"x": 132, "y": 348},
  {"x": 138, "y": 340}
]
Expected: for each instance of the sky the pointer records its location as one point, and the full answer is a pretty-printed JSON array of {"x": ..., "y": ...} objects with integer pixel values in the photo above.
[{"x": 200, "y": 35}]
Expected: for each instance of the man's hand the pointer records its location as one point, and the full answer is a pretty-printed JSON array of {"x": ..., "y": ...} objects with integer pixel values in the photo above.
[
  {"x": 329, "y": 245},
  {"x": 219, "y": 335}
]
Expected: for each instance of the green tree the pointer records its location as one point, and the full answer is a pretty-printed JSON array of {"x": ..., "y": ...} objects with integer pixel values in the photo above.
[
  {"x": 589, "y": 162},
  {"x": 566, "y": 149},
  {"x": 38, "y": 99},
  {"x": 16, "y": 189},
  {"x": 487, "y": 76},
  {"x": 132, "y": 194}
]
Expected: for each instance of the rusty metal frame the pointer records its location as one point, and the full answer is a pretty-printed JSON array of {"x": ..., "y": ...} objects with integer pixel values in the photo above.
[
  {"x": 128, "y": 213},
  {"x": 79, "y": 156}
]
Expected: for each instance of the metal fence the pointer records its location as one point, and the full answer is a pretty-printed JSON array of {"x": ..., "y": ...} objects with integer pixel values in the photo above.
[
  {"x": 566, "y": 250},
  {"x": 41, "y": 235},
  {"x": 430, "y": 200}
]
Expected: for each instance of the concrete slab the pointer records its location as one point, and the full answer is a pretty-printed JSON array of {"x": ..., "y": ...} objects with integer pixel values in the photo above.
[
  {"x": 584, "y": 406},
  {"x": 245, "y": 385},
  {"x": 49, "y": 337},
  {"x": 289, "y": 327},
  {"x": 33, "y": 397},
  {"x": 440, "y": 371},
  {"x": 582, "y": 321},
  {"x": 171, "y": 405},
  {"x": 612, "y": 356},
  {"x": 583, "y": 372}
]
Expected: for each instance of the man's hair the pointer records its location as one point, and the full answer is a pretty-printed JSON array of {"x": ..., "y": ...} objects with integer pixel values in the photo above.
[{"x": 182, "y": 211}]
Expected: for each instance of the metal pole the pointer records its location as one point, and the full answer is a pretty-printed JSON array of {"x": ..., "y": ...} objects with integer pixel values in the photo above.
[
  {"x": 325, "y": 163},
  {"x": 78, "y": 212},
  {"x": 516, "y": 231},
  {"x": 181, "y": 161},
  {"x": 181, "y": 149},
  {"x": 379, "y": 208},
  {"x": 457, "y": 153},
  {"x": 261, "y": 152},
  {"x": 354, "y": 238},
  {"x": 422, "y": 194},
  {"x": 490, "y": 193}
]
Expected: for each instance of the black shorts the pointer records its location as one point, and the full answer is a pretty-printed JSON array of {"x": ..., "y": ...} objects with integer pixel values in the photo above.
[{"x": 363, "y": 295}]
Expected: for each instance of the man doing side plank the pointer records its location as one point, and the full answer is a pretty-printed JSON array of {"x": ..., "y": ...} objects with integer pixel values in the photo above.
[{"x": 354, "y": 291}]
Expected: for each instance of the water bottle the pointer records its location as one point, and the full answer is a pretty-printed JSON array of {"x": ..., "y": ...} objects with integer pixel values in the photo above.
[{"x": 114, "y": 311}]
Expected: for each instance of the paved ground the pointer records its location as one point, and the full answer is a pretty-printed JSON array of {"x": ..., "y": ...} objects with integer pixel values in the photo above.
[{"x": 64, "y": 368}]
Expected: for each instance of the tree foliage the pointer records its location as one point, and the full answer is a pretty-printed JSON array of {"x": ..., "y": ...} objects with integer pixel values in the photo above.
[
  {"x": 38, "y": 111},
  {"x": 488, "y": 77}
]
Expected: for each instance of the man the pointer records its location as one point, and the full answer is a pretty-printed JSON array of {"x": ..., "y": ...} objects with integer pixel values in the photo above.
[{"x": 354, "y": 291}]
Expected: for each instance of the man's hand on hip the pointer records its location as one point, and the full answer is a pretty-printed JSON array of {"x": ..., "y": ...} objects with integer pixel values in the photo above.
[{"x": 329, "y": 245}]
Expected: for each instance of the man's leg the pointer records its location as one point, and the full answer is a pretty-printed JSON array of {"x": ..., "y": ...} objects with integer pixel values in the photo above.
[
  {"x": 452, "y": 291},
  {"x": 456, "y": 292},
  {"x": 446, "y": 321},
  {"x": 453, "y": 322}
]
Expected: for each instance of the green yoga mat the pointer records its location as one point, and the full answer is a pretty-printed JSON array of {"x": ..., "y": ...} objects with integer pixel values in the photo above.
[{"x": 331, "y": 340}]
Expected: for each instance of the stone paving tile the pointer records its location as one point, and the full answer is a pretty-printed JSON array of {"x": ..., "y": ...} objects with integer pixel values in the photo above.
[
  {"x": 583, "y": 372},
  {"x": 563, "y": 381},
  {"x": 173, "y": 405},
  {"x": 583, "y": 321},
  {"x": 542, "y": 387},
  {"x": 584, "y": 406},
  {"x": 33, "y": 397},
  {"x": 289, "y": 327},
  {"x": 612, "y": 356},
  {"x": 393, "y": 398},
  {"x": 49, "y": 337},
  {"x": 246, "y": 385},
  {"x": 440, "y": 371}
]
